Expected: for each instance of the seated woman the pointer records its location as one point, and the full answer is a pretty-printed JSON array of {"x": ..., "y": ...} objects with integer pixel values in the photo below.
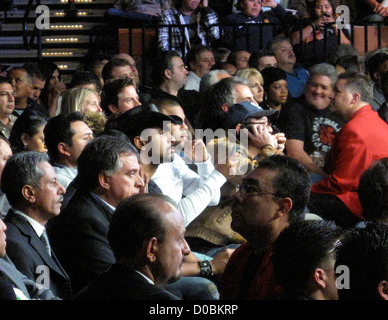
[
  {"x": 86, "y": 101},
  {"x": 316, "y": 38},
  {"x": 27, "y": 133},
  {"x": 256, "y": 82},
  {"x": 275, "y": 89}
]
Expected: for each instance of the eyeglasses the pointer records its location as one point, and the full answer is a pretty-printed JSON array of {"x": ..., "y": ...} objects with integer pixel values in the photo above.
[{"x": 246, "y": 189}]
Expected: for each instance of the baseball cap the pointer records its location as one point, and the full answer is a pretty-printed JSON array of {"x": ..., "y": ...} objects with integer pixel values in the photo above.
[
  {"x": 238, "y": 112},
  {"x": 133, "y": 122}
]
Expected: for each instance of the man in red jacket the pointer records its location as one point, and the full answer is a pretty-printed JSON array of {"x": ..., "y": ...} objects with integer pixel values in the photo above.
[{"x": 360, "y": 142}]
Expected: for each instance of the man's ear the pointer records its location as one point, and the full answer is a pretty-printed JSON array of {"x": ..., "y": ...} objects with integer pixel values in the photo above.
[
  {"x": 382, "y": 288},
  {"x": 139, "y": 143},
  {"x": 24, "y": 138},
  {"x": 113, "y": 108},
  {"x": 320, "y": 277},
  {"x": 285, "y": 205},
  {"x": 103, "y": 180},
  {"x": 63, "y": 148},
  {"x": 28, "y": 193},
  {"x": 152, "y": 249},
  {"x": 167, "y": 73},
  {"x": 238, "y": 127}
]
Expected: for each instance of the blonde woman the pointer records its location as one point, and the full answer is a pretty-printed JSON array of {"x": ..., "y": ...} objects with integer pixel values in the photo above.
[
  {"x": 87, "y": 102},
  {"x": 256, "y": 82},
  {"x": 81, "y": 100}
]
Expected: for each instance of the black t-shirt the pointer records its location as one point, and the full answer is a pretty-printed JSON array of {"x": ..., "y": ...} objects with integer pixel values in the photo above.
[{"x": 317, "y": 128}]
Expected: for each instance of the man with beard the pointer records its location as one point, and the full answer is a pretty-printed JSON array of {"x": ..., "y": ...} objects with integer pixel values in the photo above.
[
  {"x": 35, "y": 196},
  {"x": 147, "y": 238},
  {"x": 271, "y": 197}
]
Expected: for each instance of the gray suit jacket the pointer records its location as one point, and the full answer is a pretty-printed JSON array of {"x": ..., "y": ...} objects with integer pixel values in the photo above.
[{"x": 21, "y": 282}]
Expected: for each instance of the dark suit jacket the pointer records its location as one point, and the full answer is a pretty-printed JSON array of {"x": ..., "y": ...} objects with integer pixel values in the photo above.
[
  {"x": 79, "y": 236},
  {"x": 121, "y": 283},
  {"x": 27, "y": 252}
]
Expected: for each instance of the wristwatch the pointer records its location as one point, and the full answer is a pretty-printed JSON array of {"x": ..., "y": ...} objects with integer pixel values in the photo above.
[{"x": 206, "y": 269}]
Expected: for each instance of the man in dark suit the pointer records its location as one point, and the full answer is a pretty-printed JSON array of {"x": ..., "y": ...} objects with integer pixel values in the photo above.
[
  {"x": 35, "y": 196},
  {"x": 108, "y": 172},
  {"x": 147, "y": 237}
]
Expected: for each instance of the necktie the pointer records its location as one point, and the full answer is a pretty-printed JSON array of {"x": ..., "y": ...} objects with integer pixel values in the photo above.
[{"x": 45, "y": 240}]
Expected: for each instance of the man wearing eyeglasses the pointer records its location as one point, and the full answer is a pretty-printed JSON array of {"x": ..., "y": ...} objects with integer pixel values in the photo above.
[{"x": 270, "y": 198}]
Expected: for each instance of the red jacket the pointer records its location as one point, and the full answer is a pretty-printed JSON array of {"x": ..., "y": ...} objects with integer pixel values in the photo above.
[{"x": 361, "y": 141}]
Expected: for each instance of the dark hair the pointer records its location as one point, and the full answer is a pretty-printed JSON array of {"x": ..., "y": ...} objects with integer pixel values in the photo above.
[
  {"x": 20, "y": 170},
  {"x": 47, "y": 68},
  {"x": 373, "y": 191},
  {"x": 6, "y": 80},
  {"x": 212, "y": 115},
  {"x": 34, "y": 70},
  {"x": 108, "y": 68},
  {"x": 194, "y": 52},
  {"x": 292, "y": 180},
  {"x": 163, "y": 62},
  {"x": 58, "y": 129},
  {"x": 136, "y": 219},
  {"x": 84, "y": 78},
  {"x": 257, "y": 55},
  {"x": 27, "y": 123},
  {"x": 271, "y": 75},
  {"x": 301, "y": 248},
  {"x": 101, "y": 155},
  {"x": 374, "y": 62},
  {"x": 364, "y": 252},
  {"x": 111, "y": 91}
]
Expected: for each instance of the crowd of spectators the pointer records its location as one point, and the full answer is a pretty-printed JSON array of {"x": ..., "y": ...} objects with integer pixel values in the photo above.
[{"x": 249, "y": 168}]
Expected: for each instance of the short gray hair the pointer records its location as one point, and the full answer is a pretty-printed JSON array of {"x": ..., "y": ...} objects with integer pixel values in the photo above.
[
  {"x": 357, "y": 82},
  {"x": 20, "y": 170},
  {"x": 324, "y": 69}
]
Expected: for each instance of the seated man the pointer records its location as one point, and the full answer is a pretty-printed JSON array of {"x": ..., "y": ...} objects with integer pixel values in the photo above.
[
  {"x": 119, "y": 96},
  {"x": 199, "y": 60},
  {"x": 108, "y": 172},
  {"x": 303, "y": 260},
  {"x": 271, "y": 197},
  {"x": 147, "y": 238},
  {"x": 65, "y": 137},
  {"x": 35, "y": 196},
  {"x": 363, "y": 261},
  {"x": 309, "y": 124},
  {"x": 362, "y": 140}
]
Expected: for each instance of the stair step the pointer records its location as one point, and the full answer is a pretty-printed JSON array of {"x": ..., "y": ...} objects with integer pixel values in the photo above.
[{"x": 54, "y": 14}]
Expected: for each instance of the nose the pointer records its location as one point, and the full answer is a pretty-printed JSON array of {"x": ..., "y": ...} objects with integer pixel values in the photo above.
[
  {"x": 139, "y": 182},
  {"x": 11, "y": 98},
  {"x": 61, "y": 189},
  {"x": 186, "y": 249}
]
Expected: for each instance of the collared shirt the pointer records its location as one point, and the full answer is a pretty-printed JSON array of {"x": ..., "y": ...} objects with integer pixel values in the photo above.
[
  {"x": 206, "y": 32},
  {"x": 34, "y": 224},
  {"x": 111, "y": 208},
  {"x": 145, "y": 277}
]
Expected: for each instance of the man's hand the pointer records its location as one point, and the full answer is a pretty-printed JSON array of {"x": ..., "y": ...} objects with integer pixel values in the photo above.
[
  {"x": 220, "y": 260},
  {"x": 269, "y": 3},
  {"x": 195, "y": 150},
  {"x": 260, "y": 137}
]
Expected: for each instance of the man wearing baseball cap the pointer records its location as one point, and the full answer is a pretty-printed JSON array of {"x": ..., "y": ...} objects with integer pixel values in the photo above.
[{"x": 253, "y": 124}]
